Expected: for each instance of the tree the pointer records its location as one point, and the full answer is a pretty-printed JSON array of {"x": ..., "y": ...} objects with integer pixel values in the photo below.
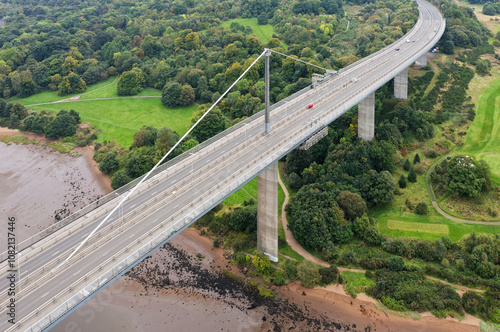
[
  {"x": 71, "y": 84},
  {"x": 308, "y": 274},
  {"x": 63, "y": 125},
  {"x": 261, "y": 263},
  {"x": 109, "y": 164},
  {"x": 130, "y": 83},
  {"x": 170, "y": 94},
  {"x": 328, "y": 274},
  {"x": 422, "y": 208},
  {"x": 466, "y": 177},
  {"x": 140, "y": 161},
  {"x": 488, "y": 9},
  {"x": 402, "y": 181},
  {"x": 412, "y": 176},
  {"x": 120, "y": 179},
  {"x": 407, "y": 165},
  {"x": 166, "y": 139},
  {"x": 316, "y": 218},
  {"x": 186, "y": 97},
  {"x": 146, "y": 136},
  {"x": 352, "y": 204},
  {"x": 416, "y": 159},
  {"x": 376, "y": 188},
  {"x": 262, "y": 19},
  {"x": 212, "y": 124},
  {"x": 396, "y": 263}
]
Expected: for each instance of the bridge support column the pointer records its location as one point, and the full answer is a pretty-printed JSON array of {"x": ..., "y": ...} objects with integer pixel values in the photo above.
[
  {"x": 267, "y": 212},
  {"x": 401, "y": 85},
  {"x": 366, "y": 118},
  {"x": 422, "y": 61}
]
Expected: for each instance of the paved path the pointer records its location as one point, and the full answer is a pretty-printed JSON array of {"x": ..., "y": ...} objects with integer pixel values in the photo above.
[{"x": 436, "y": 206}]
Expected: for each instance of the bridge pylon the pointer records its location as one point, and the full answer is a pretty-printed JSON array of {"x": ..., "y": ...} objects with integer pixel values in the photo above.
[
  {"x": 366, "y": 118},
  {"x": 401, "y": 84},
  {"x": 267, "y": 212}
]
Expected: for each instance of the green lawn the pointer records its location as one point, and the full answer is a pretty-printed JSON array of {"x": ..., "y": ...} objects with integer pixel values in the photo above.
[
  {"x": 263, "y": 32},
  {"x": 119, "y": 119},
  {"x": 250, "y": 191},
  {"x": 356, "y": 282},
  {"x": 110, "y": 92},
  {"x": 483, "y": 137},
  {"x": 416, "y": 226}
]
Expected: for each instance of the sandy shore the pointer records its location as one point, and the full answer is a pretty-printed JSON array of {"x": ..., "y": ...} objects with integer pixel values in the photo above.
[{"x": 177, "y": 288}]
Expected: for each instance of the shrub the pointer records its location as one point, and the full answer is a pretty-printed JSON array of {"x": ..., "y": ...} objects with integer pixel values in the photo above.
[
  {"x": 445, "y": 263},
  {"x": 402, "y": 181},
  {"x": 347, "y": 258},
  {"x": 216, "y": 243},
  {"x": 308, "y": 274},
  {"x": 240, "y": 257},
  {"x": 407, "y": 165},
  {"x": 422, "y": 208},
  {"x": 328, "y": 274},
  {"x": 372, "y": 236},
  {"x": 261, "y": 263},
  {"x": 279, "y": 278},
  {"x": 420, "y": 168},
  {"x": 396, "y": 263},
  {"x": 294, "y": 181},
  {"x": 412, "y": 176},
  {"x": 369, "y": 274},
  {"x": 431, "y": 153},
  {"x": 330, "y": 252},
  {"x": 291, "y": 269}
]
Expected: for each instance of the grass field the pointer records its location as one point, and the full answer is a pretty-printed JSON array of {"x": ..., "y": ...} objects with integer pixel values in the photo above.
[
  {"x": 418, "y": 227},
  {"x": 263, "y": 32},
  {"x": 250, "y": 191},
  {"x": 119, "y": 119},
  {"x": 483, "y": 137}
]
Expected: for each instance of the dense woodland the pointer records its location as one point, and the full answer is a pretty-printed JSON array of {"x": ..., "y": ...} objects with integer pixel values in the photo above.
[{"x": 181, "y": 48}]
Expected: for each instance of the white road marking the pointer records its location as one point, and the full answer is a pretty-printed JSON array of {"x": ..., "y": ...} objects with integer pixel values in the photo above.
[
  {"x": 77, "y": 272},
  {"x": 154, "y": 193},
  {"x": 133, "y": 206},
  {"x": 56, "y": 253},
  {"x": 155, "y": 220},
  {"x": 131, "y": 236},
  {"x": 45, "y": 294}
]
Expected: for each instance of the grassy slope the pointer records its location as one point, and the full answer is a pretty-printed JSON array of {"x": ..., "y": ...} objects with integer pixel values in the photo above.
[
  {"x": 118, "y": 119},
  {"x": 483, "y": 137},
  {"x": 263, "y": 32}
]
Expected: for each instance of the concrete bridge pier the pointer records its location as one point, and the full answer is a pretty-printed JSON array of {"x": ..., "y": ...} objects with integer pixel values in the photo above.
[
  {"x": 422, "y": 61},
  {"x": 401, "y": 85},
  {"x": 366, "y": 118},
  {"x": 267, "y": 212}
]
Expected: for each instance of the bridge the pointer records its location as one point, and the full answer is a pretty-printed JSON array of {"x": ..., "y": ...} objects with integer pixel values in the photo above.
[{"x": 188, "y": 186}]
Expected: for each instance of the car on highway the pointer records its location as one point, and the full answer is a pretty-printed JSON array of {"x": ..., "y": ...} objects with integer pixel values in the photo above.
[
  {"x": 310, "y": 106},
  {"x": 397, "y": 49},
  {"x": 407, "y": 40}
]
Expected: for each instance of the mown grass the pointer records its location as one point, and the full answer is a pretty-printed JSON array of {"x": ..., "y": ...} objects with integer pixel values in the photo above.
[
  {"x": 483, "y": 137},
  {"x": 418, "y": 227},
  {"x": 456, "y": 230},
  {"x": 356, "y": 282},
  {"x": 248, "y": 191},
  {"x": 263, "y": 32},
  {"x": 119, "y": 119}
]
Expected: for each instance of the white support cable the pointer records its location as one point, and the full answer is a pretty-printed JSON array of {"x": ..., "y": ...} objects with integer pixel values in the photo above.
[
  {"x": 159, "y": 162},
  {"x": 297, "y": 59}
]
